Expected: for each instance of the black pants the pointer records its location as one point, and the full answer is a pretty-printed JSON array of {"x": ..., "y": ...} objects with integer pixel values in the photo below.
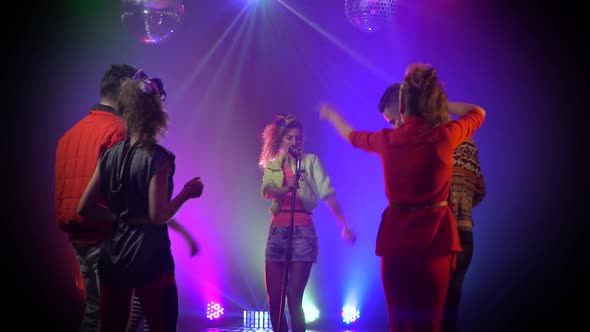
[{"x": 451, "y": 308}]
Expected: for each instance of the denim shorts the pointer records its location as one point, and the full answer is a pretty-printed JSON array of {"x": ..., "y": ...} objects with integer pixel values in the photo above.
[{"x": 305, "y": 244}]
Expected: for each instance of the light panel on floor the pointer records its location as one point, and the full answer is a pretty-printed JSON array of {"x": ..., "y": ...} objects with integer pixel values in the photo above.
[
  {"x": 350, "y": 314},
  {"x": 311, "y": 312},
  {"x": 256, "y": 319},
  {"x": 214, "y": 310}
]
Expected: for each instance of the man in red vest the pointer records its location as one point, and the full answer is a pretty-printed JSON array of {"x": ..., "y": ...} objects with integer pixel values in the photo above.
[{"x": 78, "y": 151}]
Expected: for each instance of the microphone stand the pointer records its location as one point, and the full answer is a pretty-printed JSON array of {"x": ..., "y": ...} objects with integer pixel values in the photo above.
[{"x": 289, "y": 250}]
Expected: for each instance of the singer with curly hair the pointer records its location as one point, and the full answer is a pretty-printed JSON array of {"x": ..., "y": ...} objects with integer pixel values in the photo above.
[
  {"x": 282, "y": 142},
  {"x": 417, "y": 240},
  {"x": 136, "y": 178}
]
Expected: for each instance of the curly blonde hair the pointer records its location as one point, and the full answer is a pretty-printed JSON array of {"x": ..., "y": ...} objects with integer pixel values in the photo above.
[
  {"x": 423, "y": 95},
  {"x": 272, "y": 136},
  {"x": 144, "y": 113}
]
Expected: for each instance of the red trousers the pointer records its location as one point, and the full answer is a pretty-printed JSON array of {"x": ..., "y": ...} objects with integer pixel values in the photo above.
[
  {"x": 159, "y": 302},
  {"x": 415, "y": 290}
]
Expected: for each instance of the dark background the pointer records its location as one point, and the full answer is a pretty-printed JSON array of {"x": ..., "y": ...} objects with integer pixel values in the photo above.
[{"x": 547, "y": 84}]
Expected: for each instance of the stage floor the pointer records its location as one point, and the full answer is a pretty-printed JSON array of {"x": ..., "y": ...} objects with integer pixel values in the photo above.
[{"x": 244, "y": 329}]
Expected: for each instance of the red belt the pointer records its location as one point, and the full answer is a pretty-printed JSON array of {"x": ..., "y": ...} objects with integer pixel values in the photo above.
[{"x": 424, "y": 207}]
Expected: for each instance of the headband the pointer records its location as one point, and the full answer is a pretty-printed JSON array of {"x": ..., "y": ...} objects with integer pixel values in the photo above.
[{"x": 150, "y": 85}]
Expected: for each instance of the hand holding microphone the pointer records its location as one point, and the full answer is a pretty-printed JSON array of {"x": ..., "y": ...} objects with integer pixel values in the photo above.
[
  {"x": 293, "y": 182},
  {"x": 295, "y": 152}
]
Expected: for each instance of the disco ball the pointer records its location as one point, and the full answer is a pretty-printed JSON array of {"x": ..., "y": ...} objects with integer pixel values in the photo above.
[
  {"x": 369, "y": 15},
  {"x": 152, "y": 21}
]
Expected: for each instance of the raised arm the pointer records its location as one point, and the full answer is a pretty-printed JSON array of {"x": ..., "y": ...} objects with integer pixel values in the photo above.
[
  {"x": 329, "y": 113},
  {"x": 460, "y": 109},
  {"x": 161, "y": 210}
]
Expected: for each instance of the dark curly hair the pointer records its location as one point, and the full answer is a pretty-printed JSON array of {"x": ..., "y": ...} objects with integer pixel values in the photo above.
[
  {"x": 423, "y": 95},
  {"x": 144, "y": 113}
]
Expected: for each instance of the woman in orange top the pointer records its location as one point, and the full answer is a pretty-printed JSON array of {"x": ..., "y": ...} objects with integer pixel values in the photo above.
[
  {"x": 280, "y": 139},
  {"x": 417, "y": 238}
]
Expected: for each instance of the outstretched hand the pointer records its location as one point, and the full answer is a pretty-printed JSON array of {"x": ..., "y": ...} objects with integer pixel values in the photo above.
[
  {"x": 348, "y": 235},
  {"x": 327, "y": 111},
  {"x": 194, "y": 247},
  {"x": 186, "y": 235},
  {"x": 192, "y": 244},
  {"x": 194, "y": 188}
]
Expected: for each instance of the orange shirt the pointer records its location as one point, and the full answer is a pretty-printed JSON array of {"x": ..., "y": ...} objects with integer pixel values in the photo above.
[
  {"x": 417, "y": 163},
  {"x": 77, "y": 155},
  {"x": 301, "y": 217}
]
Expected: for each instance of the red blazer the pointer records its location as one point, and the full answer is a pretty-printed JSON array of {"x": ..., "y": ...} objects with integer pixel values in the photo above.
[{"x": 417, "y": 163}]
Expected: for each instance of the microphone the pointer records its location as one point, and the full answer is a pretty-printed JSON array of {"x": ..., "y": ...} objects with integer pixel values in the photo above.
[{"x": 295, "y": 151}]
